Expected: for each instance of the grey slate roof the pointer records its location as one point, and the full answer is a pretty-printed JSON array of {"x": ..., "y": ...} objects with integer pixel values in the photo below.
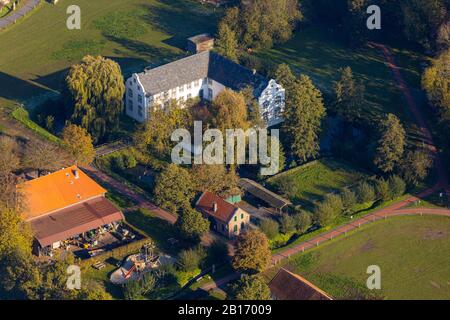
[{"x": 205, "y": 64}]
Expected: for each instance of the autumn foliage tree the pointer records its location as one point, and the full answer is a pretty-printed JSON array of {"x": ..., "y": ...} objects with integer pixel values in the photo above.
[
  {"x": 252, "y": 252},
  {"x": 94, "y": 95},
  {"x": 78, "y": 143},
  {"x": 230, "y": 111}
]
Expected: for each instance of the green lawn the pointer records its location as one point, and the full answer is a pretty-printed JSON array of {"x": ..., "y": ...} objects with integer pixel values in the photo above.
[
  {"x": 35, "y": 53},
  {"x": 311, "y": 182},
  {"x": 413, "y": 254}
]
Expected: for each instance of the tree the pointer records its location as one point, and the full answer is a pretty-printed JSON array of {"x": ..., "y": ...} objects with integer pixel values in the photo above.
[
  {"x": 94, "y": 93},
  {"x": 365, "y": 192},
  {"x": 349, "y": 199},
  {"x": 415, "y": 166},
  {"x": 93, "y": 290},
  {"x": 190, "y": 259},
  {"x": 285, "y": 77},
  {"x": 43, "y": 156},
  {"x": 226, "y": 43},
  {"x": 265, "y": 22},
  {"x": 334, "y": 201},
  {"x": 435, "y": 81},
  {"x": 422, "y": 19},
  {"x": 216, "y": 179},
  {"x": 252, "y": 252},
  {"x": 391, "y": 144},
  {"x": 251, "y": 288},
  {"x": 287, "y": 224},
  {"x": 254, "y": 114},
  {"x": 397, "y": 186},
  {"x": 303, "y": 116},
  {"x": 15, "y": 234},
  {"x": 174, "y": 188},
  {"x": 9, "y": 160},
  {"x": 155, "y": 137},
  {"x": 230, "y": 111},
  {"x": 302, "y": 221},
  {"x": 192, "y": 224},
  {"x": 78, "y": 143},
  {"x": 382, "y": 189},
  {"x": 269, "y": 227},
  {"x": 349, "y": 95},
  {"x": 324, "y": 214}
]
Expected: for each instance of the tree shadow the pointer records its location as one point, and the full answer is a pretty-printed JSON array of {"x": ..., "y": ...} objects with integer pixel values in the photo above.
[{"x": 13, "y": 88}]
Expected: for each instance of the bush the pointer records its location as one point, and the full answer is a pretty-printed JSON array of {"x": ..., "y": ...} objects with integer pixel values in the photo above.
[
  {"x": 382, "y": 190},
  {"x": 135, "y": 289},
  {"x": 302, "y": 221},
  {"x": 270, "y": 228},
  {"x": 349, "y": 199},
  {"x": 335, "y": 202},
  {"x": 397, "y": 186},
  {"x": 129, "y": 161},
  {"x": 287, "y": 224},
  {"x": 365, "y": 193},
  {"x": 324, "y": 214},
  {"x": 117, "y": 162},
  {"x": 190, "y": 259}
]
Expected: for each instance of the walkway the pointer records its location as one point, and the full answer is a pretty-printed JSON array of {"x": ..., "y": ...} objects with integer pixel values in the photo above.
[
  {"x": 140, "y": 200},
  {"x": 13, "y": 17}
]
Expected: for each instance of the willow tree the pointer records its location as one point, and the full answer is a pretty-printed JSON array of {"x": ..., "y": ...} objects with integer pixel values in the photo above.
[{"x": 95, "y": 90}]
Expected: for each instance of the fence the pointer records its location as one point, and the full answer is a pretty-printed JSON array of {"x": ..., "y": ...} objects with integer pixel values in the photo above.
[{"x": 13, "y": 17}]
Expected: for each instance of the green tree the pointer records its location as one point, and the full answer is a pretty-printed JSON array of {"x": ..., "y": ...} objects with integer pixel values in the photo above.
[
  {"x": 415, "y": 166},
  {"x": 192, "y": 224},
  {"x": 230, "y": 111},
  {"x": 252, "y": 252},
  {"x": 324, "y": 214},
  {"x": 216, "y": 179},
  {"x": 251, "y": 288},
  {"x": 94, "y": 94},
  {"x": 303, "y": 117},
  {"x": 78, "y": 143},
  {"x": 174, "y": 188},
  {"x": 155, "y": 137},
  {"x": 190, "y": 259},
  {"x": 436, "y": 82},
  {"x": 382, "y": 190},
  {"x": 397, "y": 186},
  {"x": 349, "y": 95},
  {"x": 226, "y": 43},
  {"x": 349, "y": 199},
  {"x": 391, "y": 144},
  {"x": 365, "y": 193},
  {"x": 270, "y": 228},
  {"x": 302, "y": 221},
  {"x": 285, "y": 77},
  {"x": 287, "y": 224}
]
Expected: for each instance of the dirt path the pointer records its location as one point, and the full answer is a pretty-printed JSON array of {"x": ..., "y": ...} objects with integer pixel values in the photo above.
[{"x": 140, "y": 200}]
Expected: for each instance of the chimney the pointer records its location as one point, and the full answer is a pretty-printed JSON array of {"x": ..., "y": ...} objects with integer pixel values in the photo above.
[
  {"x": 215, "y": 207},
  {"x": 76, "y": 174}
]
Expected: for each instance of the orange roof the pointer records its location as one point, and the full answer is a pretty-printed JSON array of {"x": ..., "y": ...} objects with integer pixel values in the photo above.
[
  {"x": 225, "y": 210},
  {"x": 57, "y": 191}
]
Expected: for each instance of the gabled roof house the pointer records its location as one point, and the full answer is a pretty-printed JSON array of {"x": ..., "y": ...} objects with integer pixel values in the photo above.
[
  {"x": 64, "y": 204},
  {"x": 225, "y": 218}
]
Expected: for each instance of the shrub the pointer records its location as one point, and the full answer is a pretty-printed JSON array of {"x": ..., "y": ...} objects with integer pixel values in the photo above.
[
  {"x": 134, "y": 289},
  {"x": 335, "y": 202},
  {"x": 365, "y": 192},
  {"x": 382, "y": 190},
  {"x": 117, "y": 162},
  {"x": 302, "y": 221},
  {"x": 129, "y": 161},
  {"x": 250, "y": 288},
  {"x": 324, "y": 214},
  {"x": 349, "y": 199},
  {"x": 270, "y": 228},
  {"x": 190, "y": 259},
  {"x": 397, "y": 186},
  {"x": 287, "y": 224}
]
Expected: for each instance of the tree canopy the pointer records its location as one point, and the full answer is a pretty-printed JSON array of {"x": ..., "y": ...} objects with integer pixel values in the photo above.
[
  {"x": 252, "y": 252},
  {"x": 78, "y": 142},
  {"x": 94, "y": 95}
]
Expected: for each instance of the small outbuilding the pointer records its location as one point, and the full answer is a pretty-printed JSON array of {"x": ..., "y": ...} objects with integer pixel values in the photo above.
[{"x": 200, "y": 43}]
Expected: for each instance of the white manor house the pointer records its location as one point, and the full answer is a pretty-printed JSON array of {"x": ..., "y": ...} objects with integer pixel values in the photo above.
[{"x": 203, "y": 75}]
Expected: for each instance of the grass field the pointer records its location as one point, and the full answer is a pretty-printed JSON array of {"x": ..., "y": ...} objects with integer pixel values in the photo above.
[
  {"x": 36, "y": 52},
  {"x": 413, "y": 254},
  {"x": 319, "y": 53},
  {"x": 311, "y": 182}
]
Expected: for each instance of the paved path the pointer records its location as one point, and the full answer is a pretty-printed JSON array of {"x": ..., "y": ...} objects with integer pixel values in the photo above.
[
  {"x": 140, "y": 200},
  {"x": 11, "y": 18},
  {"x": 396, "y": 209}
]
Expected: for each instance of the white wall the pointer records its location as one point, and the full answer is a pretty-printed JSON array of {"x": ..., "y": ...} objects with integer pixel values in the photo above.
[{"x": 272, "y": 103}]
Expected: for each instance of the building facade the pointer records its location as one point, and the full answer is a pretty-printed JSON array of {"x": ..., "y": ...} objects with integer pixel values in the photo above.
[{"x": 203, "y": 75}]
